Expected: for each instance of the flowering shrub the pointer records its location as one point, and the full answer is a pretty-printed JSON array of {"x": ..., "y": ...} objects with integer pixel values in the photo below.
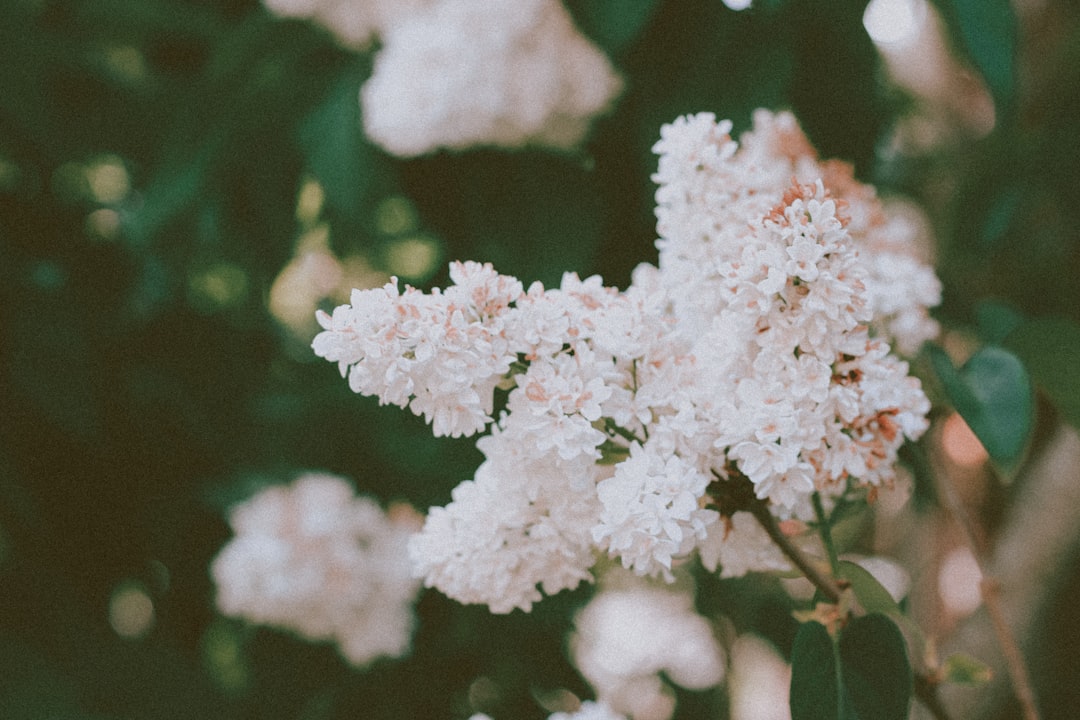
[{"x": 672, "y": 484}]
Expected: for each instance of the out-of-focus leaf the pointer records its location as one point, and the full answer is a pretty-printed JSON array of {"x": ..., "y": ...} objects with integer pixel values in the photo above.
[
  {"x": 31, "y": 687},
  {"x": 334, "y": 146},
  {"x": 174, "y": 189},
  {"x": 995, "y": 320},
  {"x": 999, "y": 218},
  {"x": 966, "y": 670},
  {"x": 987, "y": 30},
  {"x": 875, "y": 668},
  {"x": 816, "y": 692},
  {"x": 612, "y": 24},
  {"x": 836, "y": 65},
  {"x": 1050, "y": 349},
  {"x": 531, "y": 214},
  {"x": 992, "y": 392}
]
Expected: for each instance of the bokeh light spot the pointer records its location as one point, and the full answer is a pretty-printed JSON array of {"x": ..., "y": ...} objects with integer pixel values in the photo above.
[
  {"x": 960, "y": 444},
  {"x": 131, "y": 611},
  {"x": 413, "y": 258},
  {"x": 396, "y": 216},
  {"x": 108, "y": 180},
  {"x": 958, "y": 582},
  {"x": 219, "y": 286},
  {"x": 309, "y": 202}
]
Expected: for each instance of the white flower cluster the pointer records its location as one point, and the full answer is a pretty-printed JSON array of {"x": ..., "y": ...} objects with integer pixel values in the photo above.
[
  {"x": 588, "y": 711},
  {"x": 474, "y": 72},
  {"x": 754, "y": 355},
  {"x": 760, "y": 681},
  {"x": 458, "y": 73},
  {"x": 314, "y": 559},
  {"x": 628, "y": 634},
  {"x": 354, "y": 23}
]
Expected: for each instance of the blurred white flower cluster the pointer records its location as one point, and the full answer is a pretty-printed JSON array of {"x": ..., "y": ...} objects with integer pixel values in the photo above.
[
  {"x": 630, "y": 632},
  {"x": 314, "y": 559},
  {"x": 354, "y": 23},
  {"x": 458, "y": 73},
  {"x": 588, "y": 711},
  {"x": 752, "y": 364}
]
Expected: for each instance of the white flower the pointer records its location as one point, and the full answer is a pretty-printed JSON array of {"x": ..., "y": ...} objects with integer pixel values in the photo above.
[
  {"x": 472, "y": 72},
  {"x": 768, "y": 279},
  {"x": 626, "y": 636},
  {"x": 650, "y": 511},
  {"x": 354, "y": 23},
  {"x": 739, "y": 545},
  {"x": 760, "y": 681},
  {"x": 312, "y": 558},
  {"x": 519, "y": 524},
  {"x": 589, "y": 711},
  {"x": 441, "y": 354}
]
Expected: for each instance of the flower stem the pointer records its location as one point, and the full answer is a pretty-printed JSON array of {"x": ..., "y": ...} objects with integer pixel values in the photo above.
[
  {"x": 825, "y": 531},
  {"x": 825, "y": 584},
  {"x": 990, "y": 590}
]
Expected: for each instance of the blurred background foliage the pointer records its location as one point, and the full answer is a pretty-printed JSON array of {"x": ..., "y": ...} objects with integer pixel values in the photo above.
[{"x": 182, "y": 182}]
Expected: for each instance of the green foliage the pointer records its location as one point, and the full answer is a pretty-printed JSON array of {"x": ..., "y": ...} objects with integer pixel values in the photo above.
[
  {"x": 863, "y": 674},
  {"x": 992, "y": 392},
  {"x": 876, "y": 671},
  {"x": 612, "y": 24},
  {"x": 335, "y": 150},
  {"x": 816, "y": 692},
  {"x": 995, "y": 320},
  {"x": 1050, "y": 349}
]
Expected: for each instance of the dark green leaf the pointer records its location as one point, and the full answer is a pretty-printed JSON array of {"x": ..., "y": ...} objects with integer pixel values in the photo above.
[
  {"x": 875, "y": 668},
  {"x": 815, "y": 685},
  {"x": 532, "y": 215},
  {"x": 612, "y": 24},
  {"x": 987, "y": 31},
  {"x": 992, "y": 392},
  {"x": 175, "y": 189},
  {"x": 1050, "y": 349},
  {"x": 995, "y": 320},
  {"x": 334, "y": 146},
  {"x": 1000, "y": 217}
]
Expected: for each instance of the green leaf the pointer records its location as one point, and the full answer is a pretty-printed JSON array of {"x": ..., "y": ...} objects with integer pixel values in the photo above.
[
  {"x": 871, "y": 594},
  {"x": 966, "y": 670},
  {"x": 1050, "y": 349},
  {"x": 992, "y": 392},
  {"x": 533, "y": 215},
  {"x": 612, "y": 24},
  {"x": 1000, "y": 216},
  {"x": 334, "y": 146},
  {"x": 995, "y": 320},
  {"x": 175, "y": 188},
  {"x": 875, "y": 668},
  {"x": 987, "y": 31},
  {"x": 816, "y": 693}
]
